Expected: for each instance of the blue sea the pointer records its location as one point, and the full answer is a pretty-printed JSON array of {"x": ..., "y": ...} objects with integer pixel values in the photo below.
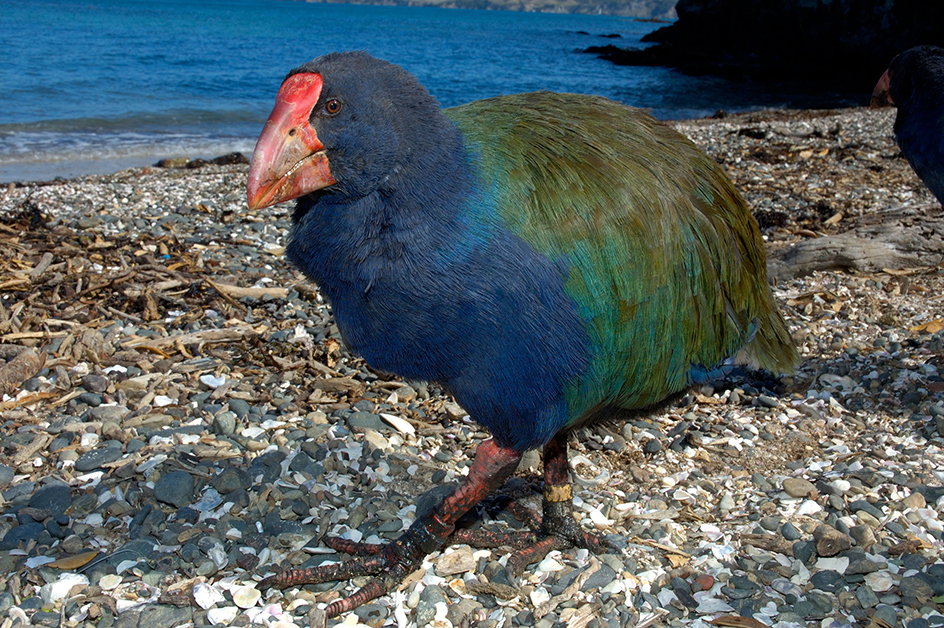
[{"x": 94, "y": 86}]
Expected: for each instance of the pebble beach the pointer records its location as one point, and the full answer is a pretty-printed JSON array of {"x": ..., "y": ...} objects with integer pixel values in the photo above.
[{"x": 179, "y": 418}]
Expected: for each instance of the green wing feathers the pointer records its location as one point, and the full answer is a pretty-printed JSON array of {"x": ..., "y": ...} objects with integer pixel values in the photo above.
[{"x": 661, "y": 253}]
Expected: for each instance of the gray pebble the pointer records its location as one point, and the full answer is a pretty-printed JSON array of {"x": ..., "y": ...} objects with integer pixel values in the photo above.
[
  {"x": 231, "y": 479},
  {"x": 426, "y": 608},
  {"x": 95, "y": 383},
  {"x": 921, "y": 586},
  {"x": 93, "y": 400},
  {"x": 175, "y": 488},
  {"x": 56, "y": 497},
  {"x": 652, "y": 446},
  {"x": 224, "y": 423},
  {"x": 866, "y": 596},
  {"x": 165, "y": 615},
  {"x": 804, "y": 550},
  {"x": 860, "y": 564},
  {"x": 21, "y": 535},
  {"x": 767, "y": 402},
  {"x": 45, "y": 618},
  {"x": 887, "y": 614},
  {"x": 359, "y": 421},
  {"x": 827, "y": 580},
  {"x": 239, "y": 407},
  {"x": 808, "y": 610},
  {"x": 867, "y": 507},
  {"x": 6, "y": 476},
  {"x": 91, "y": 460},
  {"x": 790, "y": 532},
  {"x": 109, "y": 413}
]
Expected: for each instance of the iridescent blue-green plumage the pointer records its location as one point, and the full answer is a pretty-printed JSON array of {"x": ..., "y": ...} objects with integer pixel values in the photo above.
[{"x": 544, "y": 256}]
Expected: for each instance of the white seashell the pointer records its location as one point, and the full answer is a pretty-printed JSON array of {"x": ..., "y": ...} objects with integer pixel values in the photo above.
[
  {"x": 163, "y": 400},
  {"x": 711, "y": 605},
  {"x": 401, "y": 425},
  {"x": 125, "y": 565},
  {"x": 246, "y": 596},
  {"x": 599, "y": 519},
  {"x": 150, "y": 464},
  {"x": 208, "y": 501},
  {"x": 712, "y": 531},
  {"x": 95, "y": 519},
  {"x": 224, "y": 615},
  {"x": 837, "y": 564},
  {"x": 549, "y": 564},
  {"x": 253, "y": 431},
  {"x": 265, "y": 556},
  {"x": 540, "y": 596},
  {"x": 666, "y": 596},
  {"x": 721, "y": 552},
  {"x": 842, "y": 486},
  {"x": 808, "y": 507},
  {"x": 353, "y": 535},
  {"x": 59, "y": 590},
  {"x": 879, "y": 581},
  {"x": 38, "y": 561},
  {"x": 218, "y": 556},
  {"x": 109, "y": 582},
  {"x": 206, "y": 595},
  {"x": 376, "y": 439},
  {"x": 212, "y": 381},
  {"x": 83, "y": 368}
]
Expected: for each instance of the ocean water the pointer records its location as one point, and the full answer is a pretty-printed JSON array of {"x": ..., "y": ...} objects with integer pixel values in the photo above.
[{"x": 93, "y": 86}]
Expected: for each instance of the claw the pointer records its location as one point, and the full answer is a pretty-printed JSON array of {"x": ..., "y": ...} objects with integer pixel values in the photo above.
[
  {"x": 353, "y": 548},
  {"x": 363, "y": 566}
]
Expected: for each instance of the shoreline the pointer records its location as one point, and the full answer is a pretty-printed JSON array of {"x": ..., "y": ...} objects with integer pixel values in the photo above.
[{"x": 107, "y": 166}]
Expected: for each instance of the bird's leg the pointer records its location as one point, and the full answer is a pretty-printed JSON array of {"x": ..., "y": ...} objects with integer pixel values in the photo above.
[
  {"x": 558, "y": 526},
  {"x": 393, "y": 562}
]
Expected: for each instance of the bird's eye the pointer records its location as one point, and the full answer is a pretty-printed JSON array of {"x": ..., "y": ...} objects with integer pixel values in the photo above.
[{"x": 332, "y": 107}]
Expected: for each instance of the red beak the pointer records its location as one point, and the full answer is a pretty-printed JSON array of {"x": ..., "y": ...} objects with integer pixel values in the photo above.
[
  {"x": 881, "y": 97},
  {"x": 289, "y": 160}
]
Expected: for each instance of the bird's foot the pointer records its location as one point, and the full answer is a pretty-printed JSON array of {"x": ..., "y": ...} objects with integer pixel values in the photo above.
[
  {"x": 558, "y": 530},
  {"x": 555, "y": 529},
  {"x": 389, "y": 564}
]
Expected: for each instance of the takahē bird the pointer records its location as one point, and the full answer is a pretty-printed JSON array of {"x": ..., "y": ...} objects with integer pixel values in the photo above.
[
  {"x": 914, "y": 82},
  {"x": 545, "y": 257}
]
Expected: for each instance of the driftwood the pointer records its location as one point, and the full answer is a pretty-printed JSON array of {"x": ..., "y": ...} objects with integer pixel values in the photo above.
[
  {"x": 897, "y": 239},
  {"x": 22, "y": 367}
]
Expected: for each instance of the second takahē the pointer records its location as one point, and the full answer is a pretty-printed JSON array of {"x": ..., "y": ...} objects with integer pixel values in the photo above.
[
  {"x": 545, "y": 257},
  {"x": 914, "y": 82}
]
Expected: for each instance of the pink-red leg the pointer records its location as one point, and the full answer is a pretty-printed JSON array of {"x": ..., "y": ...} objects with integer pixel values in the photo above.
[{"x": 493, "y": 464}]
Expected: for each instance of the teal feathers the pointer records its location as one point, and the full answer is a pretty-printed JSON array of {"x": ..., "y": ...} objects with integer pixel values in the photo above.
[{"x": 662, "y": 256}]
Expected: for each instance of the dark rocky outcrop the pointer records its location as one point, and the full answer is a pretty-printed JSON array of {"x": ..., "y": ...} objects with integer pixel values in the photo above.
[{"x": 846, "y": 42}]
